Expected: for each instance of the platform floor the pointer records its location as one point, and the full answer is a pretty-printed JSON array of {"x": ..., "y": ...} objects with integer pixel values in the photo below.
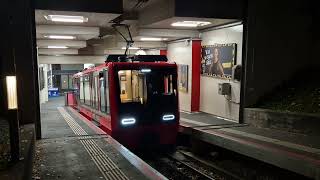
[
  {"x": 294, "y": 152},
  {"x": 72, "y": 148}
]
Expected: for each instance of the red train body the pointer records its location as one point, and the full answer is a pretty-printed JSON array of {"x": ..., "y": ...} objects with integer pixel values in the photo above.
[{"x": 134, "y": 102}]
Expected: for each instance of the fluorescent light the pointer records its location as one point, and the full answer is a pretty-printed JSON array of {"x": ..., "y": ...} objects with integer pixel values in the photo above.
[
  {"x": 153, "y": 39},
  {"x": 190, "y": 23},
  {"x": 57, "y": 47},
  {"x": 59, "y": 37},
  {"x": 128, "y": 121},
  {"x": 145, "y": 70},
  {"x": 131, "y": 48},
  {"x": 63, "y": 18},
  {"x": 12, "y": 92},
  {"x": 168, "y": 117},
  {"x": 179, "y": 24}
]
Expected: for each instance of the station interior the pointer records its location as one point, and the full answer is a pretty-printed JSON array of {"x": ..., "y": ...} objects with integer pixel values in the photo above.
[
  {"x": 236, "y": 65},
  {"x": 90, "y": 47}
]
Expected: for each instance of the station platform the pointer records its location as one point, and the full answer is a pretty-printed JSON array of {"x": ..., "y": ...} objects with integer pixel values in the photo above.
[
  {"x": 74, "y": 148},
  {"x": 294, "y": 152}
]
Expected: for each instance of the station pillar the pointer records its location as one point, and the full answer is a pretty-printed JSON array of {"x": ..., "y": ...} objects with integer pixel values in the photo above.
[
  {"x": 195, "y": 76},
  {"x": 18, "y": 58}
]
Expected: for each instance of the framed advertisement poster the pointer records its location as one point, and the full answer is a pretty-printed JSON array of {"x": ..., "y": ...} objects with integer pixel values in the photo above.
[
  {"x": 183, "y": 77},
  {"x": 217, "y": 60}
]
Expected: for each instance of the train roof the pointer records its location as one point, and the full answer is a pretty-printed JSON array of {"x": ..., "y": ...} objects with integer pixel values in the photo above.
[
  {"x": 141, "y": 60},
  {"x": 136, "y": 58}
]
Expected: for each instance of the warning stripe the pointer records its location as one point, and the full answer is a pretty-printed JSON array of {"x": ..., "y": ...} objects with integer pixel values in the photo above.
[{"x": 106, "y": 166}]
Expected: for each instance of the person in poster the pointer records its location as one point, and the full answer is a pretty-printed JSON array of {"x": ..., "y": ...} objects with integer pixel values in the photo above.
[{"x": 216, "y": 66}]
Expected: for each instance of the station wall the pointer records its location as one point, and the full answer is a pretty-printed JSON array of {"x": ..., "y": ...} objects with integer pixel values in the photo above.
[
  {"x": 43, "y": 95},
  {"x": 279, "y": 45},
  {"x": 181, "y": 53},
  {"x": 210, "y": 101}
]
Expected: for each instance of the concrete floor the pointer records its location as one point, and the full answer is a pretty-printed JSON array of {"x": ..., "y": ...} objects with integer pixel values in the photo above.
[{"x": 61, "y": 154}]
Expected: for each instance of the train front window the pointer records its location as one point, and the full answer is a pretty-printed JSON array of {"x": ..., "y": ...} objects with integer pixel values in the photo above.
[
  {"x": 132, "y": 86},
  {"x": 142, "y": 86}
]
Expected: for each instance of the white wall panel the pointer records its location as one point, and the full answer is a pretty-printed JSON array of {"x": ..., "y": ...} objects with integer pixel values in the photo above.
[
  {"x": 210, "y": 101},
  {"x": 181, "y": 53}
]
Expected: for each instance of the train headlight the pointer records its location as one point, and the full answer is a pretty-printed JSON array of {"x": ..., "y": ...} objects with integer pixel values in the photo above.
[
  {"x": 128, "y": 121},
  {"x": 168, "y": 117}
]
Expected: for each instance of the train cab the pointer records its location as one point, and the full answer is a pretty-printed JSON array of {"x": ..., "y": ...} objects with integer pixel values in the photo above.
[{"x": 136, "y": 102}]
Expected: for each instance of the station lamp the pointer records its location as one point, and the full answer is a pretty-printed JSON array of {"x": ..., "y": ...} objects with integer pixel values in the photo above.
[
  {"x": 12, "y": 102},
  {"x": 11, "y": 82}
]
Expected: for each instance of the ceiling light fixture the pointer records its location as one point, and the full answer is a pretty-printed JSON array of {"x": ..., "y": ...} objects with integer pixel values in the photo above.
[
  {"x": 153, "y": 39},
  {"x": 190, "y": 23},
  {"x": 59, "y": 37},
  {"x": 63, "y": 18},
  {"x": 131, "y": 48},
  {"x": 57, "y": 47}
]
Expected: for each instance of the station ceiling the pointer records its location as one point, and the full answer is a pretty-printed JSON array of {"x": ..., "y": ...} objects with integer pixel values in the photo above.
[{"x": 152, "y": 19}]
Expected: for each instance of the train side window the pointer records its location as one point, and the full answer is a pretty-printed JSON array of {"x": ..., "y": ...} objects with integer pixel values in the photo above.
[
  {"x": 81, "y": 90},
  {"x": 104, "y": 92},
  {"x": 95, "y": 92},
  {"x": 168, "y": 85},
  {"x": 86, "y": 84},
  {"x": 106, "y": 77}
]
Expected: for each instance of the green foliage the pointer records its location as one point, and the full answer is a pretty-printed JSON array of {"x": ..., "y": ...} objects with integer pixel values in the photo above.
[{"x": 300, "y": 94}]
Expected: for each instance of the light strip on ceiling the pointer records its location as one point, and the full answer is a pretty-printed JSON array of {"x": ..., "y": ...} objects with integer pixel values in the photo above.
[
  {"x": 64, "y": 18},
  {"x": 153, "y": 39},
  {"x": 131, "y": 48},
  {"x": 59, "y": 37},
  {"x": 190, "y": 23},
  {"x": 57, "y": 47}
]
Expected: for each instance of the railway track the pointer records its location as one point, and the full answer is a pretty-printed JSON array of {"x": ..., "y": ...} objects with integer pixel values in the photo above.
[
  {"x": 210, "y": 166},
  {"x": 183, "y": 165},
  {"x": 197, "y": 174},
  {"x": 214, "y": 163}
]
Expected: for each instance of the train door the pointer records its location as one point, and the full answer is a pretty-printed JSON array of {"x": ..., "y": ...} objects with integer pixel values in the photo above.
[
  {"x": 95, "y": 91},
  {"x": 104, "y": 92},
  {"x": 104, "y": 104},
  {"x": 76, "y": 89}
]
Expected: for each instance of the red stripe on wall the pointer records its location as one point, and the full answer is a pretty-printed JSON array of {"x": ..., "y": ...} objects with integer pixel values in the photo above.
[
  {"x": 196, "y": 65},
  {"x": 163, "y": 52}
]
